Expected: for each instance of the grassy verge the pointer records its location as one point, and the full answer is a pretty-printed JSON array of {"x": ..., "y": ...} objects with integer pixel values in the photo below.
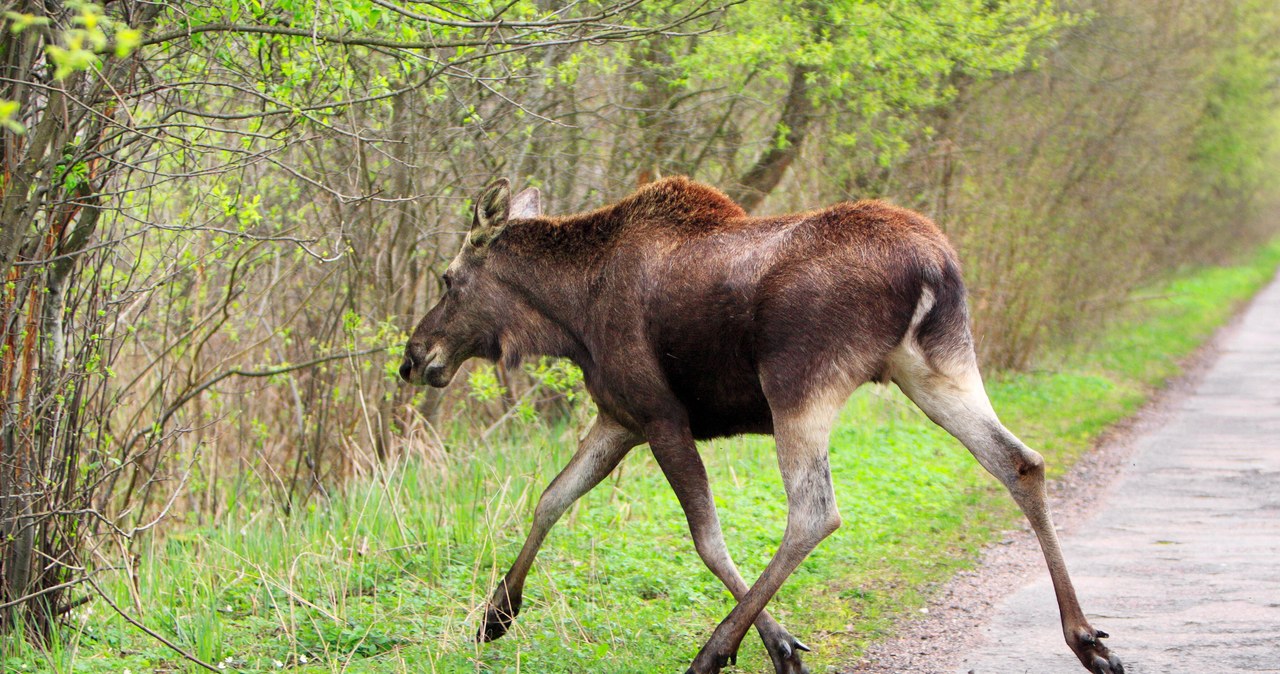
[{"x": 390, "y": 575}]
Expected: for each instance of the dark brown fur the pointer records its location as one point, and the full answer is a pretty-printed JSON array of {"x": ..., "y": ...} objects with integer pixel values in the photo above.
[
  {"x": 692, "y": 320},
  {"x": 680, "y": 276}
]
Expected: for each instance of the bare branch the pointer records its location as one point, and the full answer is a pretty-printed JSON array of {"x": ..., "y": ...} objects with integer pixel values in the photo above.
[{"x": 154, "y": 634}]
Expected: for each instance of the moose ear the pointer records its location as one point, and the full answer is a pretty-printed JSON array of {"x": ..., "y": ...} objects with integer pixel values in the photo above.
[
  {"x": 491, "y": 212},
  {"x": 526, "y": 204}
]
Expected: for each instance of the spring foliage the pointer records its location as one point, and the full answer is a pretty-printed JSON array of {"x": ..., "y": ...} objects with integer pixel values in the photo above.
[{"x": 219, "y": 219}]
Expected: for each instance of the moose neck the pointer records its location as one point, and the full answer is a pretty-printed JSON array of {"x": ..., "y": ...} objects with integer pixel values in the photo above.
[{"x": 553, "y": 294}]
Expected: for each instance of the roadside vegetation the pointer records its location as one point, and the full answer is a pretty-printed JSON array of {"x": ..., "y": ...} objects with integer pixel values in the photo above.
[
  {"x": 389, "y": 576},
  {"x": 218, "y": 221}
]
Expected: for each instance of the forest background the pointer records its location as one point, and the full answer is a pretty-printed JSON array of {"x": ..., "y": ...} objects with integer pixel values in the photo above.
[{"x": 219, "y": 220}]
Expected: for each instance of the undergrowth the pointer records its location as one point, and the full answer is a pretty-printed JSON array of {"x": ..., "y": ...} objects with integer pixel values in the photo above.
[{"x": 390, "y": 575}]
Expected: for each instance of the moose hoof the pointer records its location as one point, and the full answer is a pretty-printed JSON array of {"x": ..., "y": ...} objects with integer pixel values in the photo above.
[
  {"x": 1110, "y": 665},
  {"x": 1095, "y": 656},
  {"x": 498, "y": 617},
  {"x": 708, "y": 662},
  {"x": 786, "y": 657}
]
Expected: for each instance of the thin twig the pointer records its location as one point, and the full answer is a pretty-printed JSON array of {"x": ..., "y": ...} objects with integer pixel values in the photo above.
[
  {"x": 511, "y": 412},
  {"x": 271, "y": 372},
  {"x": 52, "y": 588},
  {"x": 155, "y": 635}
]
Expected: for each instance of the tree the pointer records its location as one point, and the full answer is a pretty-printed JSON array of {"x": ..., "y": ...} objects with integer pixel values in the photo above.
[
  {"x": 866, "y": 73},
  {"x": 111, "y": 112}
]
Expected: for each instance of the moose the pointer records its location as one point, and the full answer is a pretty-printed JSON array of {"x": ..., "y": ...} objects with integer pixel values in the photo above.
[{"x": 691, "y": 320}]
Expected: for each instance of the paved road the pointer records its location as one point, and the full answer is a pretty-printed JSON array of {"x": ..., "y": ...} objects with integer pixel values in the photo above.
[{"x": 1181, "y": 562}]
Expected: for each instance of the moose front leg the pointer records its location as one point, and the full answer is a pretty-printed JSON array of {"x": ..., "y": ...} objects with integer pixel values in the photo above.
[
  {"x": 598, "y": 454},
  {"x": 674, "y": 449}
]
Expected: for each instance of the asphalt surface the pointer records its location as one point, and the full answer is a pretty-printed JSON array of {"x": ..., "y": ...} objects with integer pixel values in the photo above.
[{"x": 1180, "y": 561}]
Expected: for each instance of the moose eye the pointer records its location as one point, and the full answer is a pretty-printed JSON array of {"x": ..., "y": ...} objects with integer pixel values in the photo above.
[{"x": 448, "y": 281}]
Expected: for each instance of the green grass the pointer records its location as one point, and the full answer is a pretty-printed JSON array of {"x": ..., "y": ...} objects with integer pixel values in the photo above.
[{"x": 390, "y": 575}]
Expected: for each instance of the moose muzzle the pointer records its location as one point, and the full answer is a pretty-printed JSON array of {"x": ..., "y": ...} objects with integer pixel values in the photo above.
[{"x": 424, "y": 367}]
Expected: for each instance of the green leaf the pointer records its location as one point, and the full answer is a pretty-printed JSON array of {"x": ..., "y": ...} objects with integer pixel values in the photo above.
[{"x": 9, "y": 110}]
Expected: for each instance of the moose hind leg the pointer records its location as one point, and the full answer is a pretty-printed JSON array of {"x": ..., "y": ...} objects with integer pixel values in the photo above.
[
  {"x": 953, "y": 397},
  {"x": 801, "y": 435},
  {"x": 599, "y": 453},
  {"x": 678, "y": 457}
]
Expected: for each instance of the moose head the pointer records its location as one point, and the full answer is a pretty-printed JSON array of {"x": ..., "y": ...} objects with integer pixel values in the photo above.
[{"x": 469, "y": 319}]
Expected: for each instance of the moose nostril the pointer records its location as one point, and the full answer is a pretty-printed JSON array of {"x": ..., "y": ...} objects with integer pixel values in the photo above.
[{"x": 406, "y": 368}]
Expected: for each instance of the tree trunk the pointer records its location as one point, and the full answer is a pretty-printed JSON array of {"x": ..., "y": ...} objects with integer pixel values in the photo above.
[{"x": 788, "y": 137}]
